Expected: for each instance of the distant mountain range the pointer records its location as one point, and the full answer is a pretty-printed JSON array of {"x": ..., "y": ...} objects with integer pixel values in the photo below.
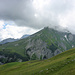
[
  {"x": 12, "y": 39},
  {"x": 8, "y": 40}
]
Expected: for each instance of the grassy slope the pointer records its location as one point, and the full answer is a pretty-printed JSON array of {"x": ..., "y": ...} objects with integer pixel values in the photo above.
[
  {"x": 62, "y": 64},
  {"x": 20, "y": 48}
]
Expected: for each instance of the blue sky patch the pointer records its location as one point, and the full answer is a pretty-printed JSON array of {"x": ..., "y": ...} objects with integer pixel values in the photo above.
[{"x": 4, "y": 26}]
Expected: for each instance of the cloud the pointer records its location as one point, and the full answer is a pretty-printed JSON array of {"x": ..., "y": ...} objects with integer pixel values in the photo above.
[
  {"x": 15, "y": 32},
  {"x": 39, "y": 13},
  {"x": 1, "y": 24}
]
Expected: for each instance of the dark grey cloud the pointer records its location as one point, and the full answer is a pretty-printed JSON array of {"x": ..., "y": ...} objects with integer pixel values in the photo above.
[{"x": 25, "y": 12}]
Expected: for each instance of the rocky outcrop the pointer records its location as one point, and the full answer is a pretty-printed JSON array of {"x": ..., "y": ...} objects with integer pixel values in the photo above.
[{"x": 39, "y": 48}]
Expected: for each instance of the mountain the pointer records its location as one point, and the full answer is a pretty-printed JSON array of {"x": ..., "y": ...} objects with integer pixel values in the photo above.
[
  {"x": 24, "y": 36},
  {"x": 13, "y": 40},
  {"x": 8, "y": 40},
  {"x": 61, "y": 64},
  {"x": 41, "y": 45}
]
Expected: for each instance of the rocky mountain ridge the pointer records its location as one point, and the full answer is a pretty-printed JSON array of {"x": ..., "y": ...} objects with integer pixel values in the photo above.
[{"x": 49, "y": 42}]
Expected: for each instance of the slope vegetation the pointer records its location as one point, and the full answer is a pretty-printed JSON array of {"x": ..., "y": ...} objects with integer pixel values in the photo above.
[{"x": 61, "y": 64}]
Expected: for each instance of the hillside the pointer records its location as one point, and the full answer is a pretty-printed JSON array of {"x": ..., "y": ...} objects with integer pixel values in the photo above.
[
  {"x": 61, "y": 64},
  {"x": 41, "y": 45}
]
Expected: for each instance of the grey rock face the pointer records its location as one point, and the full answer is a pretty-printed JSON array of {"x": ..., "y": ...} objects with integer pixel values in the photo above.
[
  {"x": 62, "y": 45},
  {"x": 39, "y": 48},
  {"x": 70, "y": 37}
]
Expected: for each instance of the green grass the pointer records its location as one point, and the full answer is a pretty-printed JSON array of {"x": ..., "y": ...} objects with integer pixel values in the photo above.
[{"x": 62, "y": 64}]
